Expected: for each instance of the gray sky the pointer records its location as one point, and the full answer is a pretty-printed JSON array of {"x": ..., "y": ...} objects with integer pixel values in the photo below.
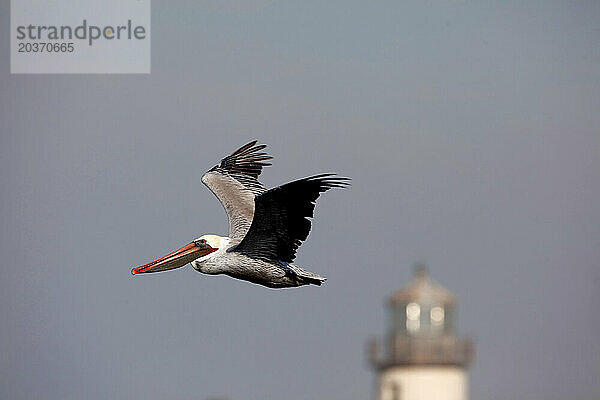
[{"x": 471, "y": 132}]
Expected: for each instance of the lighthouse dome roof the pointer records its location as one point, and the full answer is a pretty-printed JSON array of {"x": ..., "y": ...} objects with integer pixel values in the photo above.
[{"x": 422, "y": 290}]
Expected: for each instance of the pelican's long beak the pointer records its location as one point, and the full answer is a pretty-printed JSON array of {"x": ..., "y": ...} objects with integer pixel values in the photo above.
[{"x": 176, "y": 259}]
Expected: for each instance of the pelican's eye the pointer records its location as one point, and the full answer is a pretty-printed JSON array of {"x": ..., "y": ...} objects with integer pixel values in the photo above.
[{"x": 201, "y": 242}]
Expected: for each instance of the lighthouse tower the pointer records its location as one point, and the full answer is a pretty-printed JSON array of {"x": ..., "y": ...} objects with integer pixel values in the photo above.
[{"x": 423, "y": 359}]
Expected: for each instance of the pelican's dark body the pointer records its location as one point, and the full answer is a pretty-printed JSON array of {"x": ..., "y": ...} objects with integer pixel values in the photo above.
[{"x": 273, "y": 274}]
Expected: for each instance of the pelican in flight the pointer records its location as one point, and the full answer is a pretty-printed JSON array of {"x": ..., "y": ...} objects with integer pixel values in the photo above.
[{"x": 266, "y": 227}]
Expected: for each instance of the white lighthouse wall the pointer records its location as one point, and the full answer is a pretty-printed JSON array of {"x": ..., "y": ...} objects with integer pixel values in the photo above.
[{"x": 423, "y": 383}]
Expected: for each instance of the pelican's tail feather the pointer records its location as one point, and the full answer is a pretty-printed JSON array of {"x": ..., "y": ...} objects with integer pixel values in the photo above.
[{"x": 307, "y": 277}]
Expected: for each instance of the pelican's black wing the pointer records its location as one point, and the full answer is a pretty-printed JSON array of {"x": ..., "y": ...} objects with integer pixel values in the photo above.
[{"x": 280, "y": 222}]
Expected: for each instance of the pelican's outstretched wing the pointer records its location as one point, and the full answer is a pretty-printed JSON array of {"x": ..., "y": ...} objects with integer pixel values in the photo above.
[
  {"x": 234, "y": 182},
  {"x": 280, "y": 222}
]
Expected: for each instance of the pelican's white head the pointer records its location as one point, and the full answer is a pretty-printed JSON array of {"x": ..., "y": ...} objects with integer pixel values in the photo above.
[
  {"x": 216, "y": 243},
  {"x": 196, "y": 252}
]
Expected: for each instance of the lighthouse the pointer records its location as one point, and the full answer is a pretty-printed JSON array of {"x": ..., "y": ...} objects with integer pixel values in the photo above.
[{"x": 422, "y": 357}]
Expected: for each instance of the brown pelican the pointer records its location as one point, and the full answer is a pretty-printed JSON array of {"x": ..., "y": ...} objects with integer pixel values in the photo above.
[{"x": 266, "y": 227}]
